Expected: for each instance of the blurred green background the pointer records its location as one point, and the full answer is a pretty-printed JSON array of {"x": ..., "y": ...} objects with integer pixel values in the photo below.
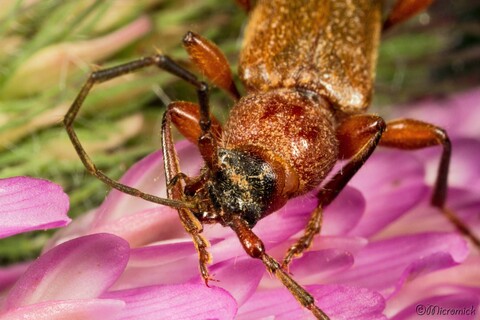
[{"x": 48, "y": 48}]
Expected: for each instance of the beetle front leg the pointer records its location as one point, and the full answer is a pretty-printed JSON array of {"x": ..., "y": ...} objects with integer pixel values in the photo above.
[
  {"x": 255, "y": 248},
  {"x": 358, "y": 137},
  {"x": 172, "y": 171}
]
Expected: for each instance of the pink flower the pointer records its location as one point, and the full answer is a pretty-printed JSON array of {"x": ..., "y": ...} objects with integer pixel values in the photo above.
[
  {"x": 170, "y": 258},
  {"x": 358, "y": 264},
  {"x": 72, "y": 279},
  {"x": 382, "y": 253}
]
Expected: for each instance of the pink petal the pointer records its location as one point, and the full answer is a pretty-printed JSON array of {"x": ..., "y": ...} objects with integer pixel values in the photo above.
[
  {"x": 148, "y": 176},
  {"x": 136, "y": 220},
  {"x": 184, "y": 301},
  {"x": 392, "y": 183},
  {"x": 386, "y": 265},
  {"x": 28, "y": 204},
  {"x": 345, "y": 213},
  {"x": 273, "y": 230},
  {"x": 314, "y": 266},
  {"x": 10, "y": 274},
  {"x": 338, "y": 302},
  {"x": 461, "y": 280},
  {"x": 280, "y": 226},
  {"x": 339, "y": 217},
  {"x": 80, "y": 226},
  {"x": 425, "y": 218},
  {"x": 147, "y": 226},
  {"x": 174, "y": 263},
  {"x": 464, "y": 169},
  {"x": 350, "y": 244},
  {"x": 169, "y": 263},
  {"x": 81, "y": 268},
  {"x": 466, "y": 205},
  {"x": 94, "y": 309},
  {"x": 168, "y": 252},
  {"x": 240, "y": 277}
]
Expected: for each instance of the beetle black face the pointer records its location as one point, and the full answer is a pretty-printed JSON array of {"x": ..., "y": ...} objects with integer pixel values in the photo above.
[{"x": 243, "y": 186}]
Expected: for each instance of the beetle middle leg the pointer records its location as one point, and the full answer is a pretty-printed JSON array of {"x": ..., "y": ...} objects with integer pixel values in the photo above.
[{"x": 367, "y": 130}]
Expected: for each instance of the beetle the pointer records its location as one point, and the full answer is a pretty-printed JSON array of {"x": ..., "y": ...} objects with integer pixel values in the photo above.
[{"x": 308, "y": 68}]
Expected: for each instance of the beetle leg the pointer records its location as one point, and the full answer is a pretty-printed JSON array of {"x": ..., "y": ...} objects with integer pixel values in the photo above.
[
  {"x": 189, "y": 221},
  {"x": 211, "y": 62},
  {"x": 403, "y": 10},
  {"x": 100, "y": 76},
  {"x": 172, "y": 170},
  {"x": 247, "y": 5},
  {"x": 409, "y": 134},
  {"x": 313, "y": 228},
  {"x": 186, "y": 118},
  {"x": 358, "y": 136},
  {"x": 176, "y": 179},
  {"x": 255, "y": 248}
]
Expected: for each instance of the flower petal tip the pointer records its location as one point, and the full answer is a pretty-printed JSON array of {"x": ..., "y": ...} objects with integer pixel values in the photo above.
[{"x": 28, "y": 204}]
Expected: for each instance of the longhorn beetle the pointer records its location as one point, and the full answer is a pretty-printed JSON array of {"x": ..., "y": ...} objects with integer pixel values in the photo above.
[{"x": 308, "y": 68}]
